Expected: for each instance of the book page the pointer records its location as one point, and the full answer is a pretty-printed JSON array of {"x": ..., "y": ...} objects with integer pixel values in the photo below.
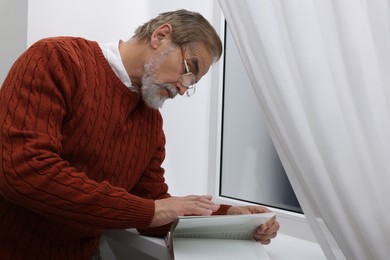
[
  {"x": 217, "y": 237},
  {"x": 237, "y": 227}
]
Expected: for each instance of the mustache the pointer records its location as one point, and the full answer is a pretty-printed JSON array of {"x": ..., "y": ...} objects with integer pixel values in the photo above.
[{"x": 172, "y": 90}]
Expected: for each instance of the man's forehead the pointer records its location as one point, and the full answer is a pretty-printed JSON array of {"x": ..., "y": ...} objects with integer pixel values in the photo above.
[{"x": 200, "y": 58}]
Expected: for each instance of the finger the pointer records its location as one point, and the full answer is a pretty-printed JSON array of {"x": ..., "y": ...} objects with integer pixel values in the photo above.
[
  {"x": 199, "y": 197},
  {"x": 262, "y": 238},
  {"x": 238, "y": 210},
  {"x": 262, "y": 229},
  {"x": 197, "y": 209},
  {"x": 272, "y": 229},
  {"x": 258, "y": 209},
  {"x": 275, "y": 227},
  {"x": 205, "y": 200},
  {"x": 207, "y": 205},
  {"x": 265, "y": 242},
  {"x": 267, "y": 225}
]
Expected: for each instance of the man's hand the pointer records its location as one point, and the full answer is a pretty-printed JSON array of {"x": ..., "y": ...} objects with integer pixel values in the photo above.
[
  {"x": 265, "y": 232},
  {"x": 166, "y": 210}
]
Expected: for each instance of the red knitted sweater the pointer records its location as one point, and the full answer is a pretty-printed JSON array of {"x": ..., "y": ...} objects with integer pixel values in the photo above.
[{"x": 79, "y": 153}]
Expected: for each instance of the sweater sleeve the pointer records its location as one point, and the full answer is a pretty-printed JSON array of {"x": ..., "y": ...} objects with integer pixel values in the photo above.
[
  {"x": 34, "y": 104},
  {"x": 152, "y": 183}
]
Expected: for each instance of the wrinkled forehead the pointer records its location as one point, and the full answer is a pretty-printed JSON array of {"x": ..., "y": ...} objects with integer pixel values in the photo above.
[{"x": 199, "y": 57}]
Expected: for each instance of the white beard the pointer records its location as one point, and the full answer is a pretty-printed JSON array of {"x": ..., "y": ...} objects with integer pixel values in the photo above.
[{"x": 150, "y": 89}]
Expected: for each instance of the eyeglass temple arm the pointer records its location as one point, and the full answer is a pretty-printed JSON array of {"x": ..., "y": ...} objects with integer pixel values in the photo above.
[{"x": 186, "y": 66}]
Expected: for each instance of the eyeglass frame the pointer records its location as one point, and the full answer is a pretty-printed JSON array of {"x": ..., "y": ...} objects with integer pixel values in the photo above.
[{"x": 191, "y": 87}]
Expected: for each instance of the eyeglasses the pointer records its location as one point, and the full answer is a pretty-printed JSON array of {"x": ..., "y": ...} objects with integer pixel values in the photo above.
[{"x": 188, "y": 79}]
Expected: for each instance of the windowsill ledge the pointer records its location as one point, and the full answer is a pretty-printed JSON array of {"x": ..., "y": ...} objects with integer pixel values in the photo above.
[{"x": 282, "y": 247}]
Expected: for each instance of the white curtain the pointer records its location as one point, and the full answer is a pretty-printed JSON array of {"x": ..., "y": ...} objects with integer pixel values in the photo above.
[{"x": 321, "y": 71}]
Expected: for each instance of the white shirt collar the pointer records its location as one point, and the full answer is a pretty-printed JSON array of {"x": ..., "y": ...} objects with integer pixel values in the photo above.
[{"x": 112, "y": 55}]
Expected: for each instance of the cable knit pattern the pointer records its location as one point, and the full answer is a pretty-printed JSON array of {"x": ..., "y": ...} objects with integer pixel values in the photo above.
[{"x": 79, "y": 153}]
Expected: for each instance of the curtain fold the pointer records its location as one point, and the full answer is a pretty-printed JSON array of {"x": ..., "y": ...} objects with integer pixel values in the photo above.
[{"x": 321, "y": 72}]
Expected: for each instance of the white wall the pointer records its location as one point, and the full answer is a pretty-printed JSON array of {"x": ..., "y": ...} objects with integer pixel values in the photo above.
[
  {"x": 186, "y": 120},
  {"x": 93, "y": 19},
  {"x": 13, "y": 31}
]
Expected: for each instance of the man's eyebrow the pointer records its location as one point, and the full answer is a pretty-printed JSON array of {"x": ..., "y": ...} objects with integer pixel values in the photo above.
[{"x": 195, "y": 66}]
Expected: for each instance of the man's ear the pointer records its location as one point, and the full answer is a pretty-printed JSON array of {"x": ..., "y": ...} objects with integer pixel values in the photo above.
[{"x": 163, "y": 32}]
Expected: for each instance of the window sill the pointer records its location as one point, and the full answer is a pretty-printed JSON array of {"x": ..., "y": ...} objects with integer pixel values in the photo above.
[
  {"x": 283, "y": 247},
  {"x": 295, "y": 240}
]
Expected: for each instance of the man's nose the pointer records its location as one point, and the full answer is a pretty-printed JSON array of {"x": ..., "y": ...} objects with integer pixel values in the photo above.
[{"x": 181, "y": 89}]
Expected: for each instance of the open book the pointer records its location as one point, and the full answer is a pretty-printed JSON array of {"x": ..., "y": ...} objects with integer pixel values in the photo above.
[{"x": 217, "y": 237}]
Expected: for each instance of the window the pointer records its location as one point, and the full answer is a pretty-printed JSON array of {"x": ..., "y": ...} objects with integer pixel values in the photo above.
[{"x": 250, "y": 167}]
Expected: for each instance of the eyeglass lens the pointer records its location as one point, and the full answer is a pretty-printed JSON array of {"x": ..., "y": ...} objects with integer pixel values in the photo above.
[{"x": 188, "y": 79}]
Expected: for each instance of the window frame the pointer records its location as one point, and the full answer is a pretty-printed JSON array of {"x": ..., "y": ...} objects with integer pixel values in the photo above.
[{"x": 292, "y": 223}]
